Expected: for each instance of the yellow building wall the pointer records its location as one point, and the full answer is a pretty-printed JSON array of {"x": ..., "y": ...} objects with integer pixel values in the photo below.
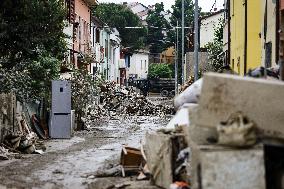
[
  {"x": 237, "y": 27},
  {"x": 168, "y": 55},
  {"x": 238, "y": 34},
  {"x": 254, "y": 39}
]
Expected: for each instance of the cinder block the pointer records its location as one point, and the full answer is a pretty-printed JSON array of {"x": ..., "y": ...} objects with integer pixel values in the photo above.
[
  {"x": 223, "y": 168},
  {"x": 260, "y": 100}
]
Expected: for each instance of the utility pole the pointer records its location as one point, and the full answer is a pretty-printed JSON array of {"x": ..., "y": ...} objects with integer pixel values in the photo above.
[
  {"x": 182, "y": 42},
  {"x": 196, "y": 41},
  {"x": 176, "y": 62}
]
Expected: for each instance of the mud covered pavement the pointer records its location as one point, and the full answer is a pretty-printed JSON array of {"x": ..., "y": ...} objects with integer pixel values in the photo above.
[{"x": 75, "y": 163}]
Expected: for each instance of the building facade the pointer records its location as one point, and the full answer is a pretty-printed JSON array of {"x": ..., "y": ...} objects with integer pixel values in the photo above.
[
  {"x": 138, "y": 65},
  {"x": 79, "y": 30},
  {"x": 244, "y": 35},
  {"x": 252, "y": 31},
  {"x": 207, "y": 25}
]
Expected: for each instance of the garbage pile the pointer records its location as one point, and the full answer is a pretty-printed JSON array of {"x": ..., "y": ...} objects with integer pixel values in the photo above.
[
  {"x": 221, "y": 134},
  {"x": 124, "y": 100},
  {"x": 119, "y": 100},
  {"x": 22, "y": 140},
  {"x": 19, "y": 131}
]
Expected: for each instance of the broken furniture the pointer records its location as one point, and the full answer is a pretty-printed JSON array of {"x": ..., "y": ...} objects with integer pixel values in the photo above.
[{"x": 131, "y": 160}]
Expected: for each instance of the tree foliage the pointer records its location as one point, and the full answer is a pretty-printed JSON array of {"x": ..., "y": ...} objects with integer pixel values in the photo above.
[
  {"x": 119, "y": 16},
  {"x": 215, "y": 48},
  {"x": 32, "y": 45},
  {"x": 157, "y": 28},
  {"x": 176, "y": 18},
  {"x": 159, "y": 71}
]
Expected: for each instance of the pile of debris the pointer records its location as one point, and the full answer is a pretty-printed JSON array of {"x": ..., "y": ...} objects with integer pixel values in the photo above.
[
  {"x": 225, "y": 138},
  {"x": 23, "y": 139},
  {"x": 119, "y": 100},
  {"x": 19, "y": 132},
  {"x": 124, "y": 100}
]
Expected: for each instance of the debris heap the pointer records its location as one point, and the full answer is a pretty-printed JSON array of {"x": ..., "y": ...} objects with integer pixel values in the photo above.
[{"x": 119, "y": 100}]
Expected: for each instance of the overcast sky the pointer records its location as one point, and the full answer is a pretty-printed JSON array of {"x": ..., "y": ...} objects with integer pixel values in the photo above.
[{"x": 206, "y": 5}]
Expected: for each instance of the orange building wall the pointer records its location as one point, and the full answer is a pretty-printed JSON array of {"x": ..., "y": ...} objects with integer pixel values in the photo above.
[{"x": 83, "y": 36}]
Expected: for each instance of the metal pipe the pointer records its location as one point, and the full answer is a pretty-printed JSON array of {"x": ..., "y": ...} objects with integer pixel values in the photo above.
[
  {"x": 176, "y": 62},
  {"x": 196, "y": 43},
  {"x": 182, "y": 43}
]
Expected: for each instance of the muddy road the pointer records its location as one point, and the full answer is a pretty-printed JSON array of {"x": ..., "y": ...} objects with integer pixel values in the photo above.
[{"x": 74, "y": 163}]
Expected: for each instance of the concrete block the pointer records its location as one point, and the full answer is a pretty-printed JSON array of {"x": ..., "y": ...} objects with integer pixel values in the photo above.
[
  {"x": 161, "y": 152},
  {"x": 258, "y": 99},
  {"x": 158, "y": 150},
  {"x": 223, "y": 168}
]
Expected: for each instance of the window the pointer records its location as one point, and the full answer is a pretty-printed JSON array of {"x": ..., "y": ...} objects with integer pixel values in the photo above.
[
  {"x": 97, "y": 35},
  {"x": 141, "y": 64},
  {"x": 145, "y": 64},
  {"x": 106, "y": 48}
]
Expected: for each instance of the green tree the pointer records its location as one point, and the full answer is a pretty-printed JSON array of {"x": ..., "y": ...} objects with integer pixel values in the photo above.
[
  {"x": 215, "y": 48},
  {"x": 32, "y": 45},
  {"x": 119, "y": 16},
  {"x": 159, "y": 71},
  {"x": 157, "y": 27},
  {"x": 176, "y": 16}
]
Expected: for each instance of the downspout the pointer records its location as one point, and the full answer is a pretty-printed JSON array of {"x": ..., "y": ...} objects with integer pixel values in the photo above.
[
  {"x": 277, "y": 29},
  {"x": 229, "y": 31},
  {"x": 246, "y": 37},
  {"x": 265, "y": 35}
]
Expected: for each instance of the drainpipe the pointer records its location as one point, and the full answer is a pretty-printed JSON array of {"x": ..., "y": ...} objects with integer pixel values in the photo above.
[
  {"x": 277, "y": 29},
  {"x": 229, "y": 31},
  {"x": 246, "y": 37}
]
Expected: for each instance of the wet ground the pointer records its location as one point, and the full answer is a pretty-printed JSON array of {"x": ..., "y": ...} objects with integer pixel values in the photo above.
[{"x": 75, "y": 163}]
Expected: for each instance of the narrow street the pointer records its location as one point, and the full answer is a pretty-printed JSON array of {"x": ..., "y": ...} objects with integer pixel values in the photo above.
[
  {"x": 74, "y": 163},
  {"x": 126, "y": 94}
]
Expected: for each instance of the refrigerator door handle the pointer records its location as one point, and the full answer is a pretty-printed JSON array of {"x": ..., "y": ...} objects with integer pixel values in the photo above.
[{"x": 61, "y": 113}]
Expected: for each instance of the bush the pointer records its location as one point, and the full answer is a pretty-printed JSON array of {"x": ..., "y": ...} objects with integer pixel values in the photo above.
[{"x": 160, "y": 71}]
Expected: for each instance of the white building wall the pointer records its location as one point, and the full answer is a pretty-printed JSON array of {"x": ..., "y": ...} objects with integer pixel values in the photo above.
[
  {"x": 114, "y": 56},
  {"x": 207, "y": 28},
  {"x": 139, "y": 64}
]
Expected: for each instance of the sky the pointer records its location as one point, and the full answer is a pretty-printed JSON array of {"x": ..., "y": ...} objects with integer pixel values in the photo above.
[{"x": 206, "y": 5}]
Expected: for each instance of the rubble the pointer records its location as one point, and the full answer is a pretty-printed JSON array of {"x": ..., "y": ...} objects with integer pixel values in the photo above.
[
  {"x": 3, "y": 153},
  {"x": 17, "y": 133},
  {"x": 221, "y": 140},
  {"x": 124, "y": 100},
  {"x": 119, "y": 101}
]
